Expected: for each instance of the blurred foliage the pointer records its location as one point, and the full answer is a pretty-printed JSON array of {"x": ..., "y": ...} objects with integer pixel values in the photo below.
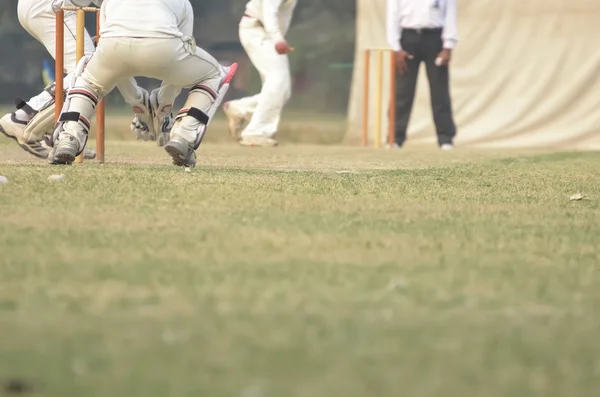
[{"x": 322, "y": 33}]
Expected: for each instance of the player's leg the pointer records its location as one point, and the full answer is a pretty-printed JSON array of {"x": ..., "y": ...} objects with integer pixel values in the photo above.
[
  {"x": 35, "y": 117},
  {"x": 44, "y": 27},
  {"x": 276, "y": 89},
  {"x": 239, "y": 111},
  {"x": 206, "y": 94},
  {"x": 181, "y": 64},
  {"x": 104, "y": 70}
]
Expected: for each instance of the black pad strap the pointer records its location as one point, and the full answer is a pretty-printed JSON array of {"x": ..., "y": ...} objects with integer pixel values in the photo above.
[
  {"x": 22, "y": 105},
  {"x": 198, "y": 115},
  {"x": 69, "y": 116}
]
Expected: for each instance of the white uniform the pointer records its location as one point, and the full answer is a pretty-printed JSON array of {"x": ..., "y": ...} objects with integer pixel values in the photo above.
[
  {"x": 265, "y": 23},
  {"x": 155, "y": 19},
  {"x": 38, "y": 18},
  {"x": 419, "y": 14},
  {"x": 154, "y": 39}
]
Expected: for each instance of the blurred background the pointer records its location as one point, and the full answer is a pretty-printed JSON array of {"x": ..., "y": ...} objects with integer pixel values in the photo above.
[
  {"x": 524, "y": 74},
  {"x": 322, "y": 33}
]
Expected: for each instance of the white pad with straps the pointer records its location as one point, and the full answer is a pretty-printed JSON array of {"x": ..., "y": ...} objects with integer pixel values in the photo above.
[
  {"x": 41, "y": 124},
  {"x": 211, "y": 113},
  {"x": 196, "y": 100},
  {"x": 78, "y": 72}
]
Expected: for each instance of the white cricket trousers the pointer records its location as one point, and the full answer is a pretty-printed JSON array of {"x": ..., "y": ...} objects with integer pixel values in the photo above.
[
  {"x": 39, "y": 20},
  {"x": 264, "y": 109},
  {"x": 175, "y": 61}
]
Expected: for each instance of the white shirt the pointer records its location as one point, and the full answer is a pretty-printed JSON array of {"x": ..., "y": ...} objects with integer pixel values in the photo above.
[
  {"x": 275, "y": 16},
  {"x": 419, "y": 14},
  {"x": 147, "y": 18}
]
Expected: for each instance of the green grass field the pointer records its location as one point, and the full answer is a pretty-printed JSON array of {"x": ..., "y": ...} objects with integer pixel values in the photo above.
[{"x": 303, "y": 270}]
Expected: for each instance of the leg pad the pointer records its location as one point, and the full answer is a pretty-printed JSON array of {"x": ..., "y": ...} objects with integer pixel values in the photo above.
[{"x": 198, "y": 115}]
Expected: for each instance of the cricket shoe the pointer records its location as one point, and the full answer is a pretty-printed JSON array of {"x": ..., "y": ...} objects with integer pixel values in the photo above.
[
  {"x": 64, "y": 151},
  {"x": 234, "y": 121},
  {"x": 88, "y": 154},
  {"x": 181, "y": 151},
  {"x": 251, "y": 141},
  {"x": 13, "y": 128},
  {"x": 184, "y": 152}
]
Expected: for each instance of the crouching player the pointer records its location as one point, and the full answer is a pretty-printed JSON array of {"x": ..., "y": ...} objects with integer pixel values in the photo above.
[
  {"x": 33, "y": 119},
  {"x": 153, "y": 39}
]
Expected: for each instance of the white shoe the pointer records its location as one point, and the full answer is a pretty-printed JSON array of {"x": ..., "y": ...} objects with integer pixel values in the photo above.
[
  {"x": 447, "y": 146},
  {"x": 252, "y": 141},
  {"x": 182, "y": 152},
  {"x": 234, "y": 121},
  {"x": 64, "y": 151},
  {"x": 46, "y": 142},
  {"x": 14, "y": 128}
]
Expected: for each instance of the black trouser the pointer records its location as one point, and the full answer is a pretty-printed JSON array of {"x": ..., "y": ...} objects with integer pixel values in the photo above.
[{"x": 424, "y": 46}]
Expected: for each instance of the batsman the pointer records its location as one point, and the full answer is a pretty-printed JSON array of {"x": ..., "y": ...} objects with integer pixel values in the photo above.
[
  {"x": 153, "y": 38},
  {"x": 32, "y": 120}
]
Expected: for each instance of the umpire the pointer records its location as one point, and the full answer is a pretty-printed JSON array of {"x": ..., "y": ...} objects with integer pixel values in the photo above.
[{"x": 423, "y": 31}]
